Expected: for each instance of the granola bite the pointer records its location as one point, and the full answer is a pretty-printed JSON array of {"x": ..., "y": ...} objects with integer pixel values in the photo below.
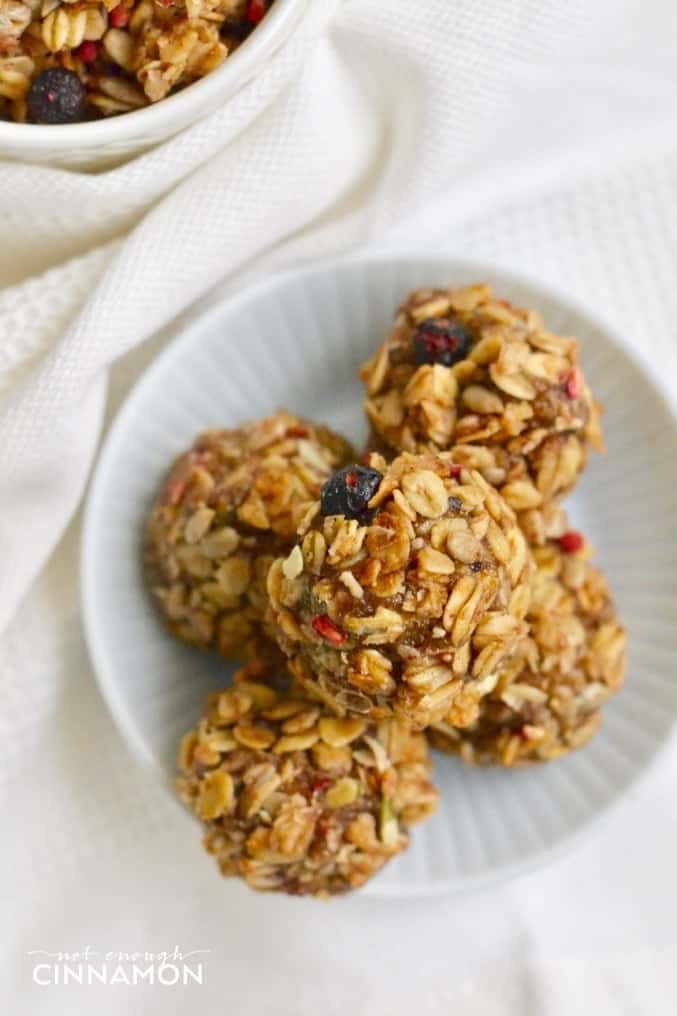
[
  {"x": 65, "y": 61},
  {"x": 230, "y": 505},
  {"x": 548, "y": 697},
  {"x": 405, "y": 593},
  {"x": 294, "y": 799},
  {"x": 463, "y": 369}
]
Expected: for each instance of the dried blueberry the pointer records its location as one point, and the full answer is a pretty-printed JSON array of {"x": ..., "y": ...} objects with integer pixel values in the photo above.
[
  {"x": 56, "y": 96},
  {"x": 349, "y": 491},
  {"x": 440, "y": 341}
]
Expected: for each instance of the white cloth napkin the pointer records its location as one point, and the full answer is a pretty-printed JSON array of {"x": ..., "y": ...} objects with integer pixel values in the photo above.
[{"x": 531, "y": 132}]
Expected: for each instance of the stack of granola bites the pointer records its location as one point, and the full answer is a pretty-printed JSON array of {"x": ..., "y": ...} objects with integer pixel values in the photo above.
[
  {"x": 431, "y": 591},
  {"x": 292, "y": 794},
  {"x": 483, "y": 380}
]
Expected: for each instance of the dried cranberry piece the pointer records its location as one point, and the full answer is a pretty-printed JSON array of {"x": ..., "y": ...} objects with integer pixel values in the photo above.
[
  {"x": 87, "y": 51},
  {"x": 440, "y": 340},
  {"x": 325, "y": 627},
  {"x": 349, "y": 491},
  {"x": 572, "y": 541},
  {"x": 255, "y": 11},
  {"x": 119, "y": 16},
  {"x": 573, "y": 383},
  {"x": 56, "y": 96}
]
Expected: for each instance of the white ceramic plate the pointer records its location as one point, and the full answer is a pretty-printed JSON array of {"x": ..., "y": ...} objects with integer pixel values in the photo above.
[
  {"x": 101, "y": 144},
  {"x": 296, "y": 341}
]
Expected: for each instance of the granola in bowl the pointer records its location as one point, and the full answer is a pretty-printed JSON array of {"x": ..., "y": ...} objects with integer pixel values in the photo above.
[
  {"x": 407, "y": 589},
  {"x": 67, "y": 61},
  {"x": 230, "y": 505},
  {"x": 461, "y": 367},
  {"x": 295, "y": 799},
  {"x": 548, "y": 697}
]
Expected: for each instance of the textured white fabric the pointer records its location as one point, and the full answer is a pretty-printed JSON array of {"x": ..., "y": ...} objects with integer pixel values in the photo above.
[{"x": 530, "y": 132}]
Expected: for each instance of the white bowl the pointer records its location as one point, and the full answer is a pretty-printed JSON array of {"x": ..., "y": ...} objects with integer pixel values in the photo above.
[
  {"x": 296, "y": 340},
  {"x": 100, "y": 144}
]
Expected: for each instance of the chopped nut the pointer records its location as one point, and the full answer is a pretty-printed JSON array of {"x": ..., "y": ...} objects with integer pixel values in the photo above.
[
  {"x": 351, "y": 584},
  {"x": 293, "y": 564},
  {"x": 119, "y": 46}
]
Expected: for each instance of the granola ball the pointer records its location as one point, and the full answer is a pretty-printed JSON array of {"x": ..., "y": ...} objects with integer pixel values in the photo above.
[
  {"x": 298, "y": 800},
  {"x": 547, "y": 698},
  {"x": 230, "y": 505},
  {"x": 64, "y": 62},
  {"x": 463, "y": 368},
  {"x": 410, "y": 606}
]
